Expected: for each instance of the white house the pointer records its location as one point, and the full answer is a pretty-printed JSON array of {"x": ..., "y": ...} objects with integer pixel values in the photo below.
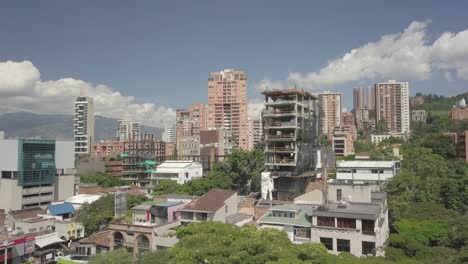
[
  {"x": 366, "y": 171},
  {"x": 180, "y": 171}
]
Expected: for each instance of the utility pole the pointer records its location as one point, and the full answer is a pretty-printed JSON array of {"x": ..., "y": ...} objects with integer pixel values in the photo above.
[{"x": 323, "y": 154}]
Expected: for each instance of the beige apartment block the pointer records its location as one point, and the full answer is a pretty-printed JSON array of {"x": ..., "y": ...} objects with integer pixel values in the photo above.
[{"x": 227, "y": 104}]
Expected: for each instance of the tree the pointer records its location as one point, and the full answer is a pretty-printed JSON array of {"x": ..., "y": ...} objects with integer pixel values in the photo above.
[
  {"x": 92, "y": 216},
  {"x": 166, "y": 187},
  {"x": 102, "y": 180}
]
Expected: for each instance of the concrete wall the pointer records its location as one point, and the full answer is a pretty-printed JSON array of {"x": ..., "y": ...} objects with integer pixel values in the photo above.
[
  {"x": 64, "y": 187},
  {"x": 9, "y": 155},
  {"x": 171, "y": 210},
  {"x": 64, "y": 154},
  {"x": 313, "y": 197},
  {"x": 231, "y": 204},
  {"x": 350, "y": 192},
  {"x": 11, "y": 195},
  {"x": 90, "y": 167},
  {"x": 34, "y": 226}
]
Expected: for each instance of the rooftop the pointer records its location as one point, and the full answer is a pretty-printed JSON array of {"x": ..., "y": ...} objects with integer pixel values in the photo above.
[
  {"x": 177, "y": 164},
  {"x": 83, "y": 198},
  {"x": 28, "y": 213},
  {"x": 176, "y": 196},
  {"x": 302, "y": 217},
  {"x": 366, "y": 164},
  {"x": 61, "y": 208},
  {"x": 287, "y": 92},
  {"x": 210, "y": 201},
  {"x": 237, "y": 217},
  {"x": 101, "y": 238},
  {"x": 366, "y": 211}
]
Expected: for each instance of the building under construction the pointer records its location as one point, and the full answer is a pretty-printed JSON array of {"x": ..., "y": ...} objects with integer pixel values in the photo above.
[
  {"x": 290, "y": 121},
  {"x": 140, "y": 158}
]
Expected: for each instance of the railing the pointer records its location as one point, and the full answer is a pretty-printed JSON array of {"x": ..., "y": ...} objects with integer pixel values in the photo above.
[
  {"x": 280, "y": 124},
  {"x": 280, "y": 136},
  {"x": 280, "y": 149},
  {"x": 279, "y": 111},
  {"x": 281, "y": 161}
]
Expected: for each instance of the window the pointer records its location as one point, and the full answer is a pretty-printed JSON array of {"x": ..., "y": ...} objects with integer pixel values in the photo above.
[
  {"x": 368, "y": 248},
  {"x": 343, "y": 245},
  {"x": 375, "y": 171},
  {"x": 226, "y": 209},
  {"x": 338, "y": 195},
  {"x": 346, "y": 223},
  {"x": 368, "y": 227},
  {"x": 326, "y": 221},
  {"x": 327, "y": 242}
]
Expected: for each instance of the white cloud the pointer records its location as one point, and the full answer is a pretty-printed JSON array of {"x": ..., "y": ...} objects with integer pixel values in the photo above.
[
  {"x": 268, "y": 84},
  {"x": 21, "y": 89},
  {"x": 407, "y": 55},
  {"x": 254, "y": 109}
]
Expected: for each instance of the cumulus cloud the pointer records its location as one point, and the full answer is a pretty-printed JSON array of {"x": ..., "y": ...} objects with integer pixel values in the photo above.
[
  {"x": 268, "y": 84},
  {"x": 21, "y": 89},
  {"x": 254, "y": 109},
  {"x": 407, "y": 55}
]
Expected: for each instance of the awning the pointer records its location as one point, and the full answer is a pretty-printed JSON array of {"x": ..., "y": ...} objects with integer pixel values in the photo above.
[{"x": 48, "y": 239}]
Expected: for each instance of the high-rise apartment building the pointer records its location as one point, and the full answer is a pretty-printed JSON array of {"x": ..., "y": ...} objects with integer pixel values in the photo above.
[
  {"x": 392, "y": 105},
  {"x": 363, "y": 98},
  {"x": 254, "y": 132},
  {"x": 331, "y": 105},
  {"x": 290, "y": 122},
  {"x": 227, "y": 104},
  {"x": 128, "y": 130},
  {"x": 347, "y": 119},
  {"x": 83, "y": 123},
  {"x": 170, "y": 135},
  {"x": 257, "y": 131},
  {"x": 189, "y": 123}
]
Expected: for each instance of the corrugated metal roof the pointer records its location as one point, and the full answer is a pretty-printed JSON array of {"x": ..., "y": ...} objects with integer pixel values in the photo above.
[{"x": 60, "y": 209}]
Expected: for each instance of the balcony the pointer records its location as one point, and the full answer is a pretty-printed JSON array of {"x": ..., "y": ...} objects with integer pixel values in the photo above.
[
  {"x": 280, "y": 125},
  {"x": 279, "y": 112},
  {"x": 280, "y": 149},
  {"x": 271, "y": 161},
  {"x": 283, "y": 137}
]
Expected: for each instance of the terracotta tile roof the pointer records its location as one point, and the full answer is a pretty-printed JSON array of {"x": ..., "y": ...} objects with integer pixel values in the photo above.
[
  {"x": 101, "y": 238},
  {"x": 28, "y": 213},
  {"x": 210, "y": 201}
]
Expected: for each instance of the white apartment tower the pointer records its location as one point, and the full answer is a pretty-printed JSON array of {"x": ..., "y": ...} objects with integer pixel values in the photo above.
[
  {"x": 83, "y": 125},
  {"x": 128, "y": 130},
  {"x": 169, "y": 135}
]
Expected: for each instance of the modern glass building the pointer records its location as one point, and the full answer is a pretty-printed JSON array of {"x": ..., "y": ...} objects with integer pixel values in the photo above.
[{"x": 36, "y": 162}]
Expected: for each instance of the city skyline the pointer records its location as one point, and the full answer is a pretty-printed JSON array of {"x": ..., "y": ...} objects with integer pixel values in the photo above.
[{"x": 130, "y": 79}]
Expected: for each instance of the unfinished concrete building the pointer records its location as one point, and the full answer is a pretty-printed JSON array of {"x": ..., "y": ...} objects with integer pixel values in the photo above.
[
  {"x": 140, "y": 158},
  {"x": 290, "y": 125}
]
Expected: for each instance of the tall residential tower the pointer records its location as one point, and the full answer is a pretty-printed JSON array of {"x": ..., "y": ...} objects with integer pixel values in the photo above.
[
  {"x": 392, "y": 105},
  {"x": 128, "y": 130},
  {"x": 83, "y": 125},
  {"x": 330, "y": 104},
  {"x": 227, "y": 104}
]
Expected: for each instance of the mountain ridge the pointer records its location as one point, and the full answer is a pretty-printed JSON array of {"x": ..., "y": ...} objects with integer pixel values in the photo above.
[{"x": 59, "y": 126}]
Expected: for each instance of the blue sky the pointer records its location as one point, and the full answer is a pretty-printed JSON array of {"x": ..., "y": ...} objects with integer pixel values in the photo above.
[{"x": 161, "y": 52}]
